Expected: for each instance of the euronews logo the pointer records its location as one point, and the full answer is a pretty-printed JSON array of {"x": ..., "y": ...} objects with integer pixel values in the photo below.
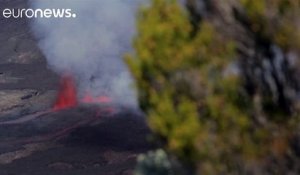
[{"x": 38, "y": 13}]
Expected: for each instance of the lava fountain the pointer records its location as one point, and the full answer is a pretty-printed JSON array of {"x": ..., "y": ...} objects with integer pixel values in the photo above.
[{"x": 67, "y": 95}]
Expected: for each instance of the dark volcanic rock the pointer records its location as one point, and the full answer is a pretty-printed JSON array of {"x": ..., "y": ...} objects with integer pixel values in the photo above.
[
  {"x": 75, "y": 141},
  {"x": 35, "y": 140},
  {"x": 22, "y": 64}
]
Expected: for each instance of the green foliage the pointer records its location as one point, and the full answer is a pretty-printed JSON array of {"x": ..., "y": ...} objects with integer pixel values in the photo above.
[
  {"x": 154, "y": 163},
  {"x": 277, "y": 20},
  {"x": 157, "y": 63},
  {"x": 194, "y": 101}
]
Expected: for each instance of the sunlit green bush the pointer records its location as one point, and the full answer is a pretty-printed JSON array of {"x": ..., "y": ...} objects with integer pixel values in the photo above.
[{"x": 195, "y": 102}]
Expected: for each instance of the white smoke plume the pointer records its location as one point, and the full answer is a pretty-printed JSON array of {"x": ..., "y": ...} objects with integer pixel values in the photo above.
[{"x": 90, "y": 46}]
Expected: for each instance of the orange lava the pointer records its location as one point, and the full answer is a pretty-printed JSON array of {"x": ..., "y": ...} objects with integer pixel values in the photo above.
[
  {"x": 90, "y": 99},
  {"x": 67, "y": 96}
]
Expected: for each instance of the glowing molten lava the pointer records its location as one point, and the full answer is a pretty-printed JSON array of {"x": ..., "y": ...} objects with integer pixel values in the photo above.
[
  {"x": 67, "y": 96},
  {"x": 90, "y": 99}
]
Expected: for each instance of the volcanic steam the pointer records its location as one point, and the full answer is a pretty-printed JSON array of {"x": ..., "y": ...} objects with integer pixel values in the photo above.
[{"x": 90, "y": 47}]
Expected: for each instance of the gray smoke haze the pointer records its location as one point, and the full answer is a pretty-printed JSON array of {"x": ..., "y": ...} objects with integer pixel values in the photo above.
[{"x": 91, "y": 46}]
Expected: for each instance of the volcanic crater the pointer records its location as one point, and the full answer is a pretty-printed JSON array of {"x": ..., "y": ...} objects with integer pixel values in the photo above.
[{"x": 45, "y": 129}]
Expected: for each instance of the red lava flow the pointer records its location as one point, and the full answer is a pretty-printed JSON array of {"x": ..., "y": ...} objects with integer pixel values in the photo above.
[
  {"x": 67, "y": 95},
  {"x": 90, "y": 99}
]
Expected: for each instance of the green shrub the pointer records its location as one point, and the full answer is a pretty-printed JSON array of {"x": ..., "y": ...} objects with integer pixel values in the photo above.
[{"x": 196, "y": 103}]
